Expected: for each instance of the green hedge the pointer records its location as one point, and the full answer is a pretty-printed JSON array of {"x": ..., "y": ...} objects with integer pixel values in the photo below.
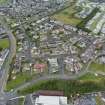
[{"x": 82, "y": 24}]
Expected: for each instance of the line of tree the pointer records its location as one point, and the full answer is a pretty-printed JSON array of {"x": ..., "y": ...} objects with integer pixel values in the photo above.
[
  {"x": 70, "y": 87},
  {"x": 83, "y": 23}
]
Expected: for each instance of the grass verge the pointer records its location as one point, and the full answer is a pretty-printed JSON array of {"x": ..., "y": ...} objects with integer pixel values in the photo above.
[{"x": 83, "y": 85}]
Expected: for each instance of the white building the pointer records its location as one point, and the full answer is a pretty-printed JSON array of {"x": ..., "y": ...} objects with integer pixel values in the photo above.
[
  {"x": 51, "y": 100},
  {"x": 3, "y": 56},
  {"x": 53, "y": 65}
]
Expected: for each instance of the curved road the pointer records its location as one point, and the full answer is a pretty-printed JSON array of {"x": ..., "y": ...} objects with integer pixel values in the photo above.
[
  {"x": 49, "y": 77},
  {"x": 59, "y": 76},
  {"x": 3, "y": 79},
  {"x": 12, "y": 52}
]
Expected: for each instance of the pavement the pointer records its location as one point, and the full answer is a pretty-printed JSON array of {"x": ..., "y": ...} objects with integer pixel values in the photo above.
[
  {"x": 12, "y": 52},
  {"x": 58, "y": 76},
  {"x": 28, "y": 100},
  {"x": 49, "y": 77}
]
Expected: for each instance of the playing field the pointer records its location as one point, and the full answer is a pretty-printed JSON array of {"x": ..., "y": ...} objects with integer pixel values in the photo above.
[
  {"x": 67, "y": 16},
  {"x": 4, "y": 43}
]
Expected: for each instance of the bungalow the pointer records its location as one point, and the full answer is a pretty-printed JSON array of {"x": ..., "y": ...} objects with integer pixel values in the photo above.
[{"x": 39, "y": 68}]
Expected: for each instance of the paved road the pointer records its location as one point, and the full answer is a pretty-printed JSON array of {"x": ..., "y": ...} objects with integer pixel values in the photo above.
[
  {"x": 12, "y": 52},
  {"x": 49, "y": 77},
  {"x": 3, "y": 80},
  {"x": 28, "y": 101},
  {"x": 59, "y": 76}
]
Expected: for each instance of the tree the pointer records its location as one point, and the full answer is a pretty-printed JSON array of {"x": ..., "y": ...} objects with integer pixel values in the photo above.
[{"x": 1, "y": 48}]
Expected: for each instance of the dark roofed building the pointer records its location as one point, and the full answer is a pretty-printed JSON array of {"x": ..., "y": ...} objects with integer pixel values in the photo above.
[{"x": 50, "y": 93}]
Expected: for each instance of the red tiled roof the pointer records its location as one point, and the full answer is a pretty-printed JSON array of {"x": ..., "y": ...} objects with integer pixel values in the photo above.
[
  {"x": 50, "y": 93},
  {"x": 39, "y": 66}
]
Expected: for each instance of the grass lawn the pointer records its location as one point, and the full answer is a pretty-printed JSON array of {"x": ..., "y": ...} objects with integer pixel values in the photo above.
[
  {"x": 4, "y": 43},
  {"x": 20, "y": 79},
  {"x": 91, "y": 77},
  {"x": 86, "y": 84},
  {"x": 67, "y": 16},
  {"x": 97, "y": 67}
]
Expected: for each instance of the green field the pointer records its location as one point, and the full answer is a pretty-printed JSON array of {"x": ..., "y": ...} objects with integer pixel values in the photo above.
[
  {"x": 91, "y": 77},
  {"x": 87, "y": 83},
  {"x": 20, "y": 79},
  {"x": 97, "y": 67},
  {"x": 67, "y": 16},
  {"x": 4, "y": 43},
  {"x": 3, "y": 1}
]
